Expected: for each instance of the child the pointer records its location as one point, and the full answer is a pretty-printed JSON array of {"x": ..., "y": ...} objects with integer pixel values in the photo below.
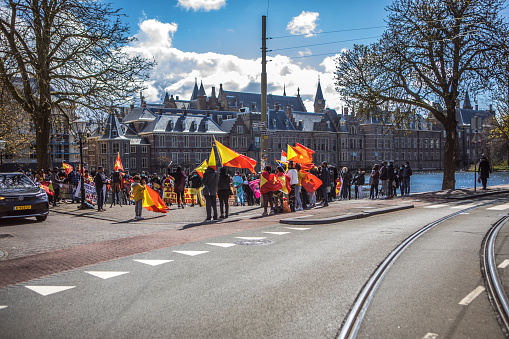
[{"x": 138, "y": 189}]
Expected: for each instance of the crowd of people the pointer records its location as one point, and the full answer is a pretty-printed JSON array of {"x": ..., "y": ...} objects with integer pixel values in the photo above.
[{"x": 383, "y": 182}]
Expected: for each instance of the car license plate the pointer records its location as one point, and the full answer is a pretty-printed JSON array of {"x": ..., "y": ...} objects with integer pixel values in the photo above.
[{"x": 26, "y": 207}]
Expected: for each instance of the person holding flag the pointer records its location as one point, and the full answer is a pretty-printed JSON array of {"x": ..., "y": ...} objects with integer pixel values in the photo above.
[
  {"x": 269, "y": 183},
  {"x": 279, "y": 195},
  {"x": 138, "y": 191},
  {"x": 210, "y": 182}
]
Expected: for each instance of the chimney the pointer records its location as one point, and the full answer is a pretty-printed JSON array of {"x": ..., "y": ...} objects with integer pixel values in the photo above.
[
  {"x": 213, "y": 92},
  {"x": 346, "y": 110},
  {"x": 476, "y": 107},
  {"x": 131, "y": 107},
  {"x": 491, "y": 108},
  {"x": 160, "y": 111},
  {"x": 184, "y": 112},
  {"x": 288, "y": 109},
  {"x": 276, "y": 106},
  {"x": 176, "y": 97}
]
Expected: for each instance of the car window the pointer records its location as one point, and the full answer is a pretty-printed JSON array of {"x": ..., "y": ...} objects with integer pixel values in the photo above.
[{"x": 15, "y": 181}]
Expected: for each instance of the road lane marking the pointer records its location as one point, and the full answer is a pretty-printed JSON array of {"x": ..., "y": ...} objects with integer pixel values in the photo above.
[
  {"x": 1, "y": 307},
  {"x": 430, "y": 336},
  {"x": 47, "y": 290},
  {"x": 298, "y": 228},
  {"x": 220, "y": 244},
  {"x": 152, "y": 262},
  {"x": 105, "y": 274},
  {"x": 191, "y": 253},
  {"x": 472, "y": 295},
  {"x": 504, "y": 264},
  {"x": 251, "y": 238},
  {"x": 278, "y": 233},
  {"x": 464, "y": 206},
  {"x": 499, "y": 207},
  {"x": 436, "y": 206}
]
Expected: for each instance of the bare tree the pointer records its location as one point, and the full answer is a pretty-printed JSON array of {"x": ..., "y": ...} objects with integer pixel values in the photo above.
[
  {"x": 15, "y": 126},
  {"x": 57, "y": 55},
  {"x": 431, "y": 51}
]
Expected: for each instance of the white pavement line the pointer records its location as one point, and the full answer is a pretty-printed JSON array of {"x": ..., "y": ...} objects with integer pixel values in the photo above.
[
  {"x": 47, "y": 290},
  {"x": 278, "y": 233},
  {"x": 464, "y": 206},
  {"x": 105, "y": 274},
  {"x": 244, "y": 216},
  {"x": 504, "y": 264},
  {"x": 499, "y": 207},
  {"x": 430, "y": 336},
  {"x": 464, "y": 213},
  {"x": 1, "y": 307},
  {"x": 472, "y": 295},
  {"x": 221, "y": 244},
  {"x": 298, "y": 228},
  {"x": 191, "y": 253},
  {"x": 152, "y": 262},
  {"x": 251, "y": 238},
  {"x": 304, "y": 216},
  {"x": 436, "y": 206}
]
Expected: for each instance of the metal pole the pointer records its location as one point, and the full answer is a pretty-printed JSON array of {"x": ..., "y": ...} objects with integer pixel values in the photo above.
[
  {"x": 2, "y": 162},
  {"x": 264, "y": 141},
  {"x": 475, "y": 166},
  {"x": 82, "y": 175}
]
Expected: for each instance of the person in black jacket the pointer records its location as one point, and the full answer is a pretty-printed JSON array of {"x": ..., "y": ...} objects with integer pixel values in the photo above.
[
  {"x": 194, "y": 182},
  {"x": 325, "y": 178},
  {"x": 100, "y": 181},
  {"x": 384, "y": 179},
  {"x": 210, "y": 182},
  {"x": 406, "y": 172},
  {"x": 359, "y": 181},
  {"x": 390, "y": 179},
  {"x": 223, "y": 192},
  {"x": 484, "y": 171}
]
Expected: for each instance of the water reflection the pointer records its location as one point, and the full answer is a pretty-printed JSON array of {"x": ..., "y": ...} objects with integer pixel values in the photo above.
[{"x": 432, "y": 181}]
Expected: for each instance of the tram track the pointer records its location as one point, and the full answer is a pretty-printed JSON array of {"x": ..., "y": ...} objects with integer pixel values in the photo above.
[
  {"x": 496, "y": 292},
  {"x": 355, "y": 316}
]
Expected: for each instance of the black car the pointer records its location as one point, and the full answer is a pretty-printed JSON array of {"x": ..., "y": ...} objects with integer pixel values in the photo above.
[{"x": 20, "y": 197}]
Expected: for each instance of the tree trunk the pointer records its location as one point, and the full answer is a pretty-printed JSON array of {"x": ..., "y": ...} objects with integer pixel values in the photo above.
[
  {"x": 450, "y": 148},
  {"x": 42, "y": 139}
]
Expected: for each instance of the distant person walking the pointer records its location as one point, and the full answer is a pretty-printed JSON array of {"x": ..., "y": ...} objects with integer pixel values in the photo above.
[
  {"x": 374, "y": 179},
  {"x": 484, "y": 171},
  {"x": 405, "y": 179},
  {"x": 223, "y": 192},
  {"x": 210, "y": 182},
  {"x": 100, "y": 182}
]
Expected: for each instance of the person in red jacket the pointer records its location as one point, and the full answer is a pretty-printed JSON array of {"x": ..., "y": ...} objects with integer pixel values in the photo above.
[{"x": 269, "y": 183}]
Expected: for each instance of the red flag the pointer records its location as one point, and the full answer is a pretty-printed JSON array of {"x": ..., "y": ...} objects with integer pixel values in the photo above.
[
  {"x": 310, "y": 182},
  {"x": 67, "y": 168},
  {"x": 153, "y": 202},
  {"x": 285, "y": 180},
  {"x": 47, "y": 186},
  {"x": 269, "y": 183},
  {"x": 308, "y": 150},
  {"x": 230, "y": 158},
  {"x": 299, "y": 155},
  {"x": 118, "y": 164}
]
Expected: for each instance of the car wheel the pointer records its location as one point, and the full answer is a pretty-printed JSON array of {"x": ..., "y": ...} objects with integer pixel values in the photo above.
[{"x": 41, "y": 217}]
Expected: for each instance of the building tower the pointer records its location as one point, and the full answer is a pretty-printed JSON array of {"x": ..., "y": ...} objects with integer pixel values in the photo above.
[{"x": 319, "y": 100}]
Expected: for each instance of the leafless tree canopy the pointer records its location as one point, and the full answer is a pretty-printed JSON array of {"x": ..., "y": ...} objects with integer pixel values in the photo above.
[
  {"x": 431, "y": 52},
  {"x": 56, "y": 55}
]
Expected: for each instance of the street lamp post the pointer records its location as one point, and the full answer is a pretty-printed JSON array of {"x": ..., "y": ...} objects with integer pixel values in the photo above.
[
  {"x": 2, "y": 147},
  {"x": 79, "y": 126}
]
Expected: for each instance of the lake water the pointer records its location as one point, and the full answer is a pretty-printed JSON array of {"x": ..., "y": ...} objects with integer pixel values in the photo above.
[{"x": 432, "y": 181}]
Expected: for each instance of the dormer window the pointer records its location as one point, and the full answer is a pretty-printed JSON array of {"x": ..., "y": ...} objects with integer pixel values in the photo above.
[
  {"x": 274, "y": 122},
  {"x": 206, "y": 125},
  {"x": 171, "y": 124},
  {"x": 300, "y": 123},
  {"x": 183, "y": 124},
  {"x": 287, "y": 123}
]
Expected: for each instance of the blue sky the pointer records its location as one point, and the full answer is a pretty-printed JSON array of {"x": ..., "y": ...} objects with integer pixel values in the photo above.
[{"x": 218, "y": 42}]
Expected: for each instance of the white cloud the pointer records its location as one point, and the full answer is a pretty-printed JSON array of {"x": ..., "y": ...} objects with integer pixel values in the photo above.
[
  {"x": 304, "y": 24},
  {"x": 205, "y": 5},
  {"x": 176, "y": 70},
  {"x": 305, "y": 52}
]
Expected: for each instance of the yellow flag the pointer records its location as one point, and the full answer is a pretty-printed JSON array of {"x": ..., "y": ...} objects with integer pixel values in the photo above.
[{"x": 212, "y": 159}]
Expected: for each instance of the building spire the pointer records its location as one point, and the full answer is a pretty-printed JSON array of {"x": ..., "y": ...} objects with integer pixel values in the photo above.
[
  {"x": 284, "y": 90},
  {"x": 467, "y": 104},
  {"x": 319, "y": 100},
  {"x": 194, "y": 96}
]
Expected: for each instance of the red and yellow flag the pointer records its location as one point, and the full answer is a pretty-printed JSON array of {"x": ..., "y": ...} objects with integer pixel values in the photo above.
[
  {"x": 308, "y": 150},
  {"x": 269, "y": 182},
  {"x": 285, "y": 180},
  {"x": 153, "y": 202},
  {"x": 67, "y": 168},
  {"x": 212, "y": 160},
  {"x": 201, "y": 169},
  {"x": 310, "y": 182},
  {"x": 47, "y": 186},
  {"x": 231, "y": 158},
  {"x": 118, "y": 164},
  {"x": 299, "y": 155}
]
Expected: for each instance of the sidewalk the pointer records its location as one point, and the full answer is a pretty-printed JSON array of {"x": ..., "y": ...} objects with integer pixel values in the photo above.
[{"x": 181, "y": 226}]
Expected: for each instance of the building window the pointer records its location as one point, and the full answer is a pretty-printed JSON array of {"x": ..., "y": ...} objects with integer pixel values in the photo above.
[
  {"x": 197, "y": 141},
  {"x": 243, "y": 142},
  {"x": 239, "y": 130},
  {"x": 402, "y": 145},
  {"x": 144, "y": 162},
  {"x": 104, "y": 148},
  {"x": 425, "y": 143},
  {"x": 415, "y": 155},
  {"x": 197, "y": 157},
  {"x": 257, "y": 141},
  {"x": 133, "y": 149},
  {"x": 415, "y": 144},
  {"x": 175, "y": 157},
  {"x": 161, "y": 141},
  {"x": 395, "y": 142},
  {"x": 116, "y": 147},
  {"x": 235, "y": 142},
  {"x": 174, "y": 141},
  {"x": 133, "y": 163},
  {"x": 144, "y": 149},
  {"x": 186, "y": 158},
  {"x": 104, "y": 163}
]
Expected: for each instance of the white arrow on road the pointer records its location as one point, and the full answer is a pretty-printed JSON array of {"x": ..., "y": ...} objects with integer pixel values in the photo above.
[
  {"x": 105, "y": 274},
  {"x": 47, "y": 290},
  {"x": 152, "y": 262}
]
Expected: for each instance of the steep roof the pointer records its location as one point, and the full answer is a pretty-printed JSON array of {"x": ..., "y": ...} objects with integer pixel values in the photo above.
[
  {"x": 463, "y": 116},
  {"x": 319, "y": 100},
  {"x": 113, "y": 128},
  {"x": 467, "y": 104},
  {"x": 195, "y": 90},
  {"x": 236, "y": 98},
  {"x": 167, "y": 123},
  {"x": 201, "y": 92}
]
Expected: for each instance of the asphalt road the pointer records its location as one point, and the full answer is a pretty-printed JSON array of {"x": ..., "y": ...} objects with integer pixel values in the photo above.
[{"x": 299, "y": 286}]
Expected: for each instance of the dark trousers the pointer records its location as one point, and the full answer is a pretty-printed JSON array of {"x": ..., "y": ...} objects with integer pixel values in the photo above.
[
  {"x": 180, "y": 198},
  {"x": 268, "y": 199},
  {"x": 223, "y": 196},
  {"x": 100, "y": 198},
  {"x": 56, "y": 194},
  {"x": 210, "y": 202},
  {"x": 373, "y": 191},
  {"x": 325, "y": 197},
  {"x": 484, "y": 182},
  {"x": 406, "y": 182}
]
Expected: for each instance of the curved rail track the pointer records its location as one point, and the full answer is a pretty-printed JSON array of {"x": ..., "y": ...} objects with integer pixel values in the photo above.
[{"x": 352, "y": 322}]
